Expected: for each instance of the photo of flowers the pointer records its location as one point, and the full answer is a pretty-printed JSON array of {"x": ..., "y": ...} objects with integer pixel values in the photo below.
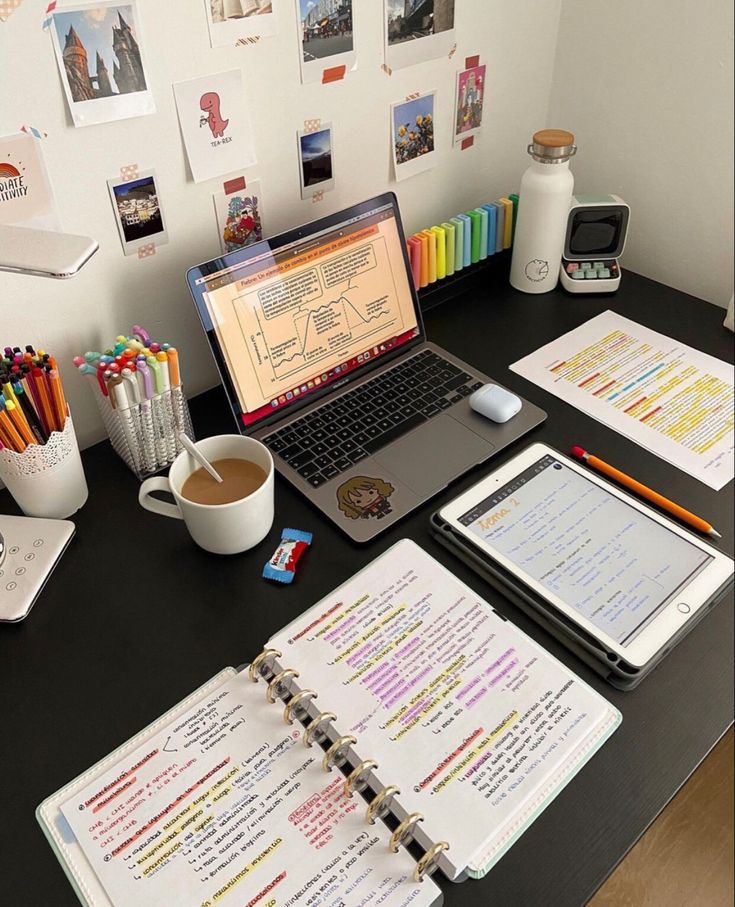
[{"x": 413, "y": 135}]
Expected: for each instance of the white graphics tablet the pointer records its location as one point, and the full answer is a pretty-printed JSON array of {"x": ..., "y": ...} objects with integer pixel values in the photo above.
[{"x": 620, "y": 572}]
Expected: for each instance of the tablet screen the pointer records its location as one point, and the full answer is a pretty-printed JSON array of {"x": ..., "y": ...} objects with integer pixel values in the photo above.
[{"x": 609, "y": 561}]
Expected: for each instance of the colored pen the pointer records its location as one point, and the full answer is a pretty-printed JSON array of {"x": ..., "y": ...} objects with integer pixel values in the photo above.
[{"x": 645, "y": 492}]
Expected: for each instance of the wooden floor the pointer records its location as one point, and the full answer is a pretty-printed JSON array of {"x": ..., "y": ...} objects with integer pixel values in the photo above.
[{"x": 685, "y": 859}]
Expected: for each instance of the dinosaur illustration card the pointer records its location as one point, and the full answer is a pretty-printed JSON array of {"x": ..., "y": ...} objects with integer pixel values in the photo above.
[
  {"x": 101, "y": 60},
  {"x": 215, "y": 124}
]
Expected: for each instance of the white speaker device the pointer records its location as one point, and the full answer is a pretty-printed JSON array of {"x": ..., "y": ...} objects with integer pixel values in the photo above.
[{"x": 594, "y": 241}]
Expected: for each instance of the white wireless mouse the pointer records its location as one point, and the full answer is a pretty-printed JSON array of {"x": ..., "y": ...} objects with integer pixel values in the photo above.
[{"x": 495, "y": 403}]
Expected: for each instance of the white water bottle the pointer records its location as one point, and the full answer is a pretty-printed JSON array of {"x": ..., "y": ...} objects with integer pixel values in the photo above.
[{"x": 543, "y": 211}]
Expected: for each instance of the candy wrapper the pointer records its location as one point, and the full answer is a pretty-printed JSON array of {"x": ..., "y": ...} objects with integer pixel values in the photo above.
[{"x": 282, "y": 566}]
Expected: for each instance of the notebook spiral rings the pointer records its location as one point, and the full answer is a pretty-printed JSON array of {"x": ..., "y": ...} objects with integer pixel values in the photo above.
[{"x": 337, "y": 749}]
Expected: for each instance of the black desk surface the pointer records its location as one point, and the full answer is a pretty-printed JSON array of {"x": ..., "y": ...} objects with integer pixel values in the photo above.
[{"x": 136, "y": 617}]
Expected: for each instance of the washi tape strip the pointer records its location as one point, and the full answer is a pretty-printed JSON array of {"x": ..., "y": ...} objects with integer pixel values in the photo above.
[
  {"x": 147, "y": 250},
  {"x": 318, "y": 196},
  {"x": 312, "y": 125},
  {"x": 471, "y": 62},
  {"x": 453, "y": 51},
  {"x": 412, "y": 97},
  {"x": 468, "y": 142},
  {"x": 129, "y": 172},
  {"x": 334, "y": 74},
  {"x": 34, "y": 131},
  {"x": 49, "y": 15},
  {"x": 234, "y": 185},
  {"x": 7, "y": 8},
  {"x": 251, "y": 39},
  {"x": 386, "y": 69}
]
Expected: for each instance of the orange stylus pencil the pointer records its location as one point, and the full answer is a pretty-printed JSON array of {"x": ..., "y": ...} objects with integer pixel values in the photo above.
[{"x": 645, "y": 492}]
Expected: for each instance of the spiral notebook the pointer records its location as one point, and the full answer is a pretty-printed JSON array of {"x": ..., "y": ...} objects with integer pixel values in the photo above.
[{"x": 398, "y": 727}]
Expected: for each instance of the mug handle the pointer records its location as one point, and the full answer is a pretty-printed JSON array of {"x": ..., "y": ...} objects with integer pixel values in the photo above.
[{"x": 158, "y": 483}]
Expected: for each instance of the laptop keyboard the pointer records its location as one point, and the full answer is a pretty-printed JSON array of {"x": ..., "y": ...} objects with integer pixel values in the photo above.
[{"x": 352, "y": 427}]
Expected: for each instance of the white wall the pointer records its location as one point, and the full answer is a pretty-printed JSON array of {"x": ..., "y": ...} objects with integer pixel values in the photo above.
[
  {"x": 517, "y": 41},
  {"x": 647, "y": 88}
]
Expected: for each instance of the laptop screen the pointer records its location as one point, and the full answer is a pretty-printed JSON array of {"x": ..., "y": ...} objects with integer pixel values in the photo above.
[{"x": 291, "y": 316}]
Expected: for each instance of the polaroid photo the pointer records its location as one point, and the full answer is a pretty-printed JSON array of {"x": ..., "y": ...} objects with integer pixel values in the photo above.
[
  {"x": 101, "y": 61},
  {"x": 417, "y": 30},
  {"x": 412, "y": 127},
  {"x": 215, "y": 124},
  {"x": 468, "y": 103},
  {"x": 326, "y": 37},
  {"x": 26, "y": 194},
  {"x": 137, "y": 211},
  {"x": 230, "y": 20},
  {"x": 316, "y": 161},
  {"x": 239, "y": 217}
]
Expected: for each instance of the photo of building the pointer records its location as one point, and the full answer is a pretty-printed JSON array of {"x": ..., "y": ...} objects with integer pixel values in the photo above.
[
  {"x": 106, "y": 33},
  {"x": 411, "y": 19},
  {"x": 138, "y": 208},
  {"x": 326, "y": 28},
  {"x": 239, "y": 9}
]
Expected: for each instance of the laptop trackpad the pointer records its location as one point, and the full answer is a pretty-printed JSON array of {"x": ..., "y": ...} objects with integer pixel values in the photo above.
[{"x": 434, "y": 454}]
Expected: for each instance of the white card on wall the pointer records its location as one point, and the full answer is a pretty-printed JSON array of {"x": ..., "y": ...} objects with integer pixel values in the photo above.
[
  {"x": 215, "y": 124},
  {"x": 26, "y": 196}
]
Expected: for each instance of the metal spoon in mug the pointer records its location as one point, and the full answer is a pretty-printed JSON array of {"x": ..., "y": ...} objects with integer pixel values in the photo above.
[{"x": 191, "y": 448}]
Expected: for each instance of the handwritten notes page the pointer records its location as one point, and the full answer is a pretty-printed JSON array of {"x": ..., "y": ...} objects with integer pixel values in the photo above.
[
  {"x": 477, "y": 725},
  {"x": 224, "y": 807}
]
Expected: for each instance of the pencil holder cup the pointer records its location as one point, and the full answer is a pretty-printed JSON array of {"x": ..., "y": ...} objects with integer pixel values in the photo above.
[
  {"x": 47, "y": 480},
  {"x": 145, "y": 436}
]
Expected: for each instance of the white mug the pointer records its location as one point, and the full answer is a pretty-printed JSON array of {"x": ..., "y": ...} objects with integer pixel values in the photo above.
[{"x": 219, "y": 528}]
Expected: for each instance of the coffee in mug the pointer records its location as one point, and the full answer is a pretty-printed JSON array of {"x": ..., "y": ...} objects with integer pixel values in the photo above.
[
  {"x": 240, "y": 478},
  {"x": 234, "y": 522}
]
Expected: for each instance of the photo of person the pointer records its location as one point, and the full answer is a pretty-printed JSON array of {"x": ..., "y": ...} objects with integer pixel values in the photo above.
[
  {"x": 326, "y": 28},
  {"x": 138, "y": 211},
  {"x": 413, "y": 135},
  {"x": 98, "y": 50},
  {"x": 469, "y": 101},
  {"x": 417, "y": 30},
  {"x": 232, "y": 20},
  {"x": 315, "y": 158}
]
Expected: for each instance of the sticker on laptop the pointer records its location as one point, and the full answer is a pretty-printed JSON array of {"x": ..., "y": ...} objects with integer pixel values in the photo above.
[{"x": 363, "y": 497}]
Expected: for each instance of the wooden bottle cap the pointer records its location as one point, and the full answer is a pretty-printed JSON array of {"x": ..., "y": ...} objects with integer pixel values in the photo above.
[{"x": 553, "y": 138}]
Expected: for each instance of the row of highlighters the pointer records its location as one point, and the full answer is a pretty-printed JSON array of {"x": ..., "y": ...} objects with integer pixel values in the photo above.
[{"x": 442, "y": 250}]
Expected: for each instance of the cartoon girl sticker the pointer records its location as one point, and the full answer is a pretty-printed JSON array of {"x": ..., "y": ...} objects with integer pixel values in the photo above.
[{"x": 362, "y": 497}]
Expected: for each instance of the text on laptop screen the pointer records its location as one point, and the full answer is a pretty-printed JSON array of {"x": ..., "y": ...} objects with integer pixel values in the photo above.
[{"x": 290, "y": 320}]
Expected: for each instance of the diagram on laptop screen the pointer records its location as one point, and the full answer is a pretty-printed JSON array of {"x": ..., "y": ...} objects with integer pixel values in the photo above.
[{"x": 307, "y": 314}]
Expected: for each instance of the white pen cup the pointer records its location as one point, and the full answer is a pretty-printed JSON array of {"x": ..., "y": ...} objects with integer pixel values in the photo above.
[{"x": 219, "y": 528}]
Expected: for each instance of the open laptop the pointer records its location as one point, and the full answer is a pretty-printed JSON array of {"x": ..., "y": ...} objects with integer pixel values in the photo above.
[{"x": 318, "y": 337}]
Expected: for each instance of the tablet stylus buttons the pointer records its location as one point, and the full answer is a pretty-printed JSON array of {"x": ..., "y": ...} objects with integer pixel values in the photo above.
[{"x": 683, "y": 607}]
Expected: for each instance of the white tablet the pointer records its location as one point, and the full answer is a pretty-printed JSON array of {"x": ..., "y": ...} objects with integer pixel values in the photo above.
[{"x": 625, "y": 574}]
